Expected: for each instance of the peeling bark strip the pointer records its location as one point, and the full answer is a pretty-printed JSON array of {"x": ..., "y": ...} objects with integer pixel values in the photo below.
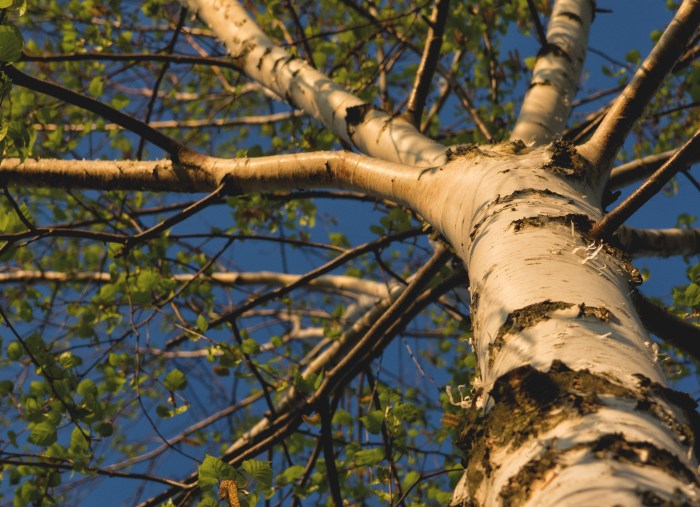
[
  {"x": 526, "y": 317},
  {"x": 530, "y": 404}
]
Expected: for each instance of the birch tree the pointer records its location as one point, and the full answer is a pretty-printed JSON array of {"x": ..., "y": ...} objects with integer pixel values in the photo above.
[{"x": 182, "y": 317}]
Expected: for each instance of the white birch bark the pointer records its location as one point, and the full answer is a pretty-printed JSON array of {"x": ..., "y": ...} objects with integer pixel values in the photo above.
[
  {"x": 555, "y": 78},
  {"x": 373, "y": 132},
  {"x": 543, "y": 295}
]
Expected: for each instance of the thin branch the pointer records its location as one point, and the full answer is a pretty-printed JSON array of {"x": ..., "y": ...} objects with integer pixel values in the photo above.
[
  {"x": 134, "y": 57},
  {"x": 679, "y": 161},
  {"x": 428, "y": 63},
  {"x": 158, "y": 229},
  {"x": 159, "y": 79},
  {"x": 602, "y": 148},
  {"x": 98, "y": 471},
  {"x": 539, "y": 29},
  {"x": 403, "y": 308},
  {"x": 328, "y": 454}
]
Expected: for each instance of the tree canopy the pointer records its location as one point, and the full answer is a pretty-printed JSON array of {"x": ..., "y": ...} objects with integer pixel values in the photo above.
[{"x": 172, "y": 337}]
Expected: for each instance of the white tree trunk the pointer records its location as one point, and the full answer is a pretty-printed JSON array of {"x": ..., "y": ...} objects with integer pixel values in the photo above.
[{"x": 576, "y": 408}]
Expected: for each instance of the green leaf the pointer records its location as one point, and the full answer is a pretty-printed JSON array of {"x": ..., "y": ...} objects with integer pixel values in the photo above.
[
  {"x": 373, "y": 421},
  {"x": 291, "y": 474},
  {"x": 369, "y": 457},
  {"x": 175, "y": 380},
  {"x": 261, "y": 471},
  {"x": 11, "y": 43},
  {"x": 4, "y": 4},
  {"x": 202, "y": 324},
  {"x": 212, "y": 470},
  {"x": 43, "y": 434},
  {"x": 95, "y": 88},
  {"x": 692, "y": 295},
  {"x": 167, "y": 412}
]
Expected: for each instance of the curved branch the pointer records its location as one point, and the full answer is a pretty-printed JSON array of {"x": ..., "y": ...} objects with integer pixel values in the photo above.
[
  {"x": 373, "y": 132},
  {"x": 326, "y": 282},
  {"x": 659, "y": 242},
  {"x": 556, "y": 76},
  {"x": 166, "y": 143},
  {"x": 606, "y": 141}
]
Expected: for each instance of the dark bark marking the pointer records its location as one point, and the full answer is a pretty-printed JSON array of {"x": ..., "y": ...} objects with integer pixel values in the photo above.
[
  {"x": 530, "y": 315},
  {"x": 355, "y": 115},
  {"x": 566, "y": 161},
  {"x": 517, "y": 195},
  {"x": 529, "y": 402},
  {"x": 554, "y": 49},
  {"x": 520, "y": 486},
  {"x": 582, "y": 223},
  {"x": 463, "y": 151}
]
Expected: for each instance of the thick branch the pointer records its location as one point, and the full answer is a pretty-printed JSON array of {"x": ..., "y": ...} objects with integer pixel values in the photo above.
[
  {"x": 671, "y": 329},
  {"x": 637, "y": 170},
  {"x": 659, "y": 242},
  {"x": 602, "y": 148},
  {"x": 340, "y": 170},
  {"x": 373, "y": 132},
  {"x": 556, "y": 75}
]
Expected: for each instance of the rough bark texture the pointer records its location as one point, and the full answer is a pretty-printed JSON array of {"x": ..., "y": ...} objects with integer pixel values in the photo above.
[{"x": 570, "y": 385}]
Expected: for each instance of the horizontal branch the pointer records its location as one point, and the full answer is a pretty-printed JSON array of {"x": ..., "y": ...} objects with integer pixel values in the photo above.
[
  {"x": 659, "y": 242},
  {"x": 263, "y": 119},
  {"x": 337, "y": 170},
  {"x": 133, "y": 57},
  {"x": 667, "y": 326},
  {"x": 325, "y": 282},
  {"x": 637, "y": 170}
]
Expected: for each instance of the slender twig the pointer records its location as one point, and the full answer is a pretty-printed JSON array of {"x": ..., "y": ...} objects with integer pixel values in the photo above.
[
  {"x": 539, "y": 29},
  {"x": 98, "y": 471},
  {"x": 300, "y": 33},
  {"x": 134, "y": 57},
  {"x": 679, "y": 161},
  {"x": 311, "y": 275},
  {"x": 428, "y": 63},
  {"x": 154, "y": 92},
  {"x": 213, "y": 197},
  {"x": 602, "y": 148}
]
